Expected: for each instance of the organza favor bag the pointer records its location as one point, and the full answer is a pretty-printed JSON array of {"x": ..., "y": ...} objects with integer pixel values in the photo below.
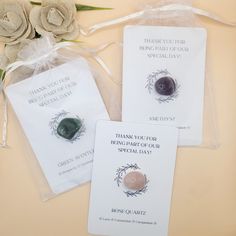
[
  {"x": 170, "y": 14},
  {"x": 53, "y": 89}
]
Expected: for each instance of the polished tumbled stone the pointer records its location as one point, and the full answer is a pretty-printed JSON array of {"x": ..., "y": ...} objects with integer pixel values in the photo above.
[
  {"x": 68, "y": 127},
  {"x": 165, "y": 86},
  {"x": 135, "y": 180}
]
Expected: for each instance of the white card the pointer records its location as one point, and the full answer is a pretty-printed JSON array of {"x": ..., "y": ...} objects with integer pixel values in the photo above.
[
  {"x": 121, "y": 149},
  {"x": 63, "y": 100},
  {"x": 163, "y": 78}
]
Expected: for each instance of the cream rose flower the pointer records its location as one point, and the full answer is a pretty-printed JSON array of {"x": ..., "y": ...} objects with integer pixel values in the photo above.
[
  {"x": 14, "y": 21},
  {"x": 10, "y": 53},
  {"x": 56, "y": 17}
]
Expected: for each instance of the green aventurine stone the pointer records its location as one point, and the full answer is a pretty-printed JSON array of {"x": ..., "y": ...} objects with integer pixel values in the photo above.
[{"x": 68, "y": 127}]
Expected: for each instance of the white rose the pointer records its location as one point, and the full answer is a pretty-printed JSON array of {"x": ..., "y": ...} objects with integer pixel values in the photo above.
[
  {"x": 56, "y": 17},
  {"x": 14, "y": 21}
]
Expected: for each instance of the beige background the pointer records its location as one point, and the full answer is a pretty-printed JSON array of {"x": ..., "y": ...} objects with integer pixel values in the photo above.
[{"x": 204, "y": 197}]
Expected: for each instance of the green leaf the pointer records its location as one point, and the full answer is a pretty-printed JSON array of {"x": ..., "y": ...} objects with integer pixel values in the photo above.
[
  {"x": 73, "y": 41},
  {"x": 35, "y": 3},
  {"x": 2, "y": 74},
  {"x": 80, "y": 7},
  {"x": 37, "y": 35}
]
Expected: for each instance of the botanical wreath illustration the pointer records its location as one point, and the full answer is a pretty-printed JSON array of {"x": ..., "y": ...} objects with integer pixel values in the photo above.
[
  {"x": 164, "y": 78},
  {"x": 121, "y": 172},
  {"x": 56, "y": 121}
]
